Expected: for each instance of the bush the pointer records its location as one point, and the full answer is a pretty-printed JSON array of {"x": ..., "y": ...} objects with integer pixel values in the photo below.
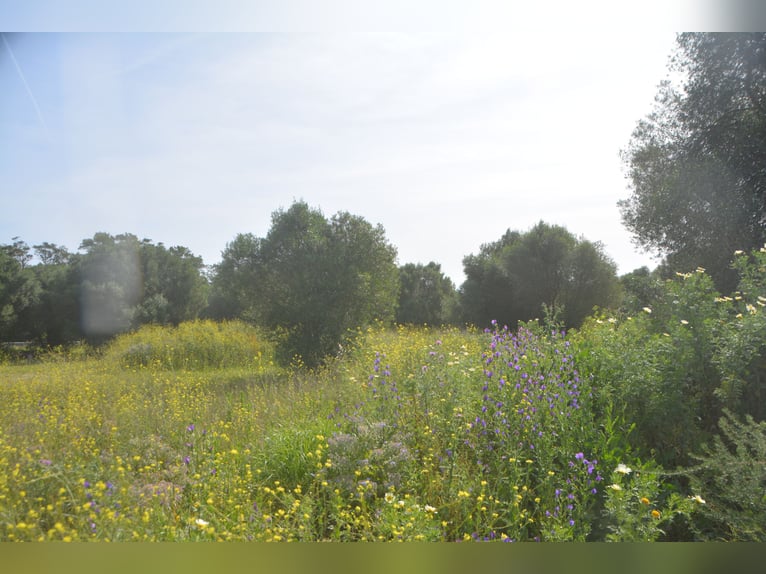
[
  {"x": 731, "y": 478},
  {"x": 672, "y": 368},
  {"x": 192, "y": 346}
]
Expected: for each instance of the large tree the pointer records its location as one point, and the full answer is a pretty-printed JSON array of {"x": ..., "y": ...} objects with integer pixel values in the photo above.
[
  {"x": 696, "y": 163},
  {"x": 522, "y": 274},
  {"x": 310, "y": 279}
]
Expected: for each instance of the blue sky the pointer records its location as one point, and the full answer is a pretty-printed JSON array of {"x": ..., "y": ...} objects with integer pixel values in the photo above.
[{"x": 445, "y": 139}]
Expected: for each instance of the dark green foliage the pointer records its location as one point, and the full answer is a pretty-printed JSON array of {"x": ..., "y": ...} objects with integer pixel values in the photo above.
[
  {"x": 426, "y": 296},
  {"x": 19, "y": 291},
  {"x": 517, "y": 277},
  {"x": 126, "y": 283},
  {"x": 485, "y": 294},
  {"x": 55, "y": 319},
  {"x": 732, "y": 476},
  {"x": 675, "y": 365},
  {"x": 174, "y": 289},
  {"x": 118, "y": 283},
  {"x": 111, "y": 286},
  {"x": 696, "y": 163},
  {"x": 38, "y": 303},
  {"x": 639, "y": 288},
  {"x": 234, "y": 277},
  {"x": 655, "y": 368},
  {"x": 740, "y": 354},
  {"x": 310, "y": 280}
]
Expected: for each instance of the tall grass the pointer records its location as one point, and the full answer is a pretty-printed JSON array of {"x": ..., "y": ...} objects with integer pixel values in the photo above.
[
  {"x": 193, "y": 346},
  {"x": 412, "y": 434}
]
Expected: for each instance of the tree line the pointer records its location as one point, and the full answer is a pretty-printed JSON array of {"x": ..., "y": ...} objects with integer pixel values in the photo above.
[
  {"x": 697, "y": 182},
  {"x": 310, "y": 282}
]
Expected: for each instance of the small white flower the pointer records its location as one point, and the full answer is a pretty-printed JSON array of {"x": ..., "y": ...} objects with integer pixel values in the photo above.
[
  {"x": 201, "y": 523},
  {"x": 390, "y": 498},
  {"x": 615, "y": 487},
  {"x": 647, "y": 310},
  {"x": 430, "y": 508},
  {"x": 684, "y": 322},
  {"x": 698, "y": 499},
  {"x": 623, "y": 469}
]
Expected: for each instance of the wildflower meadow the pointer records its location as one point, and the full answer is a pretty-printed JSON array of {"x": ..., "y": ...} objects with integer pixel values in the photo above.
[{"x": 618, "y": 431}]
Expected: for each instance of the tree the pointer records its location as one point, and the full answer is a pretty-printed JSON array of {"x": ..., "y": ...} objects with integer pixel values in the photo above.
[
  {"x": 111, "y": 284},
  {"x": 125, "y": 282},
  {"x": 19, "y": 290},
  {"x": 426, "y": 296},
  {"x": 485, "y": 295},
  {"x": 517, "y": 277},
  {"x": 640, "y": 288},
  {"x": 695, "y": 164},
  {"x": 310, "y": 279},
  {"x": 174, "y": 288},
  {"x": 52, "y": 254},
  {"x": 233, "y": 279},
  {"x": 55, "y": 318}
]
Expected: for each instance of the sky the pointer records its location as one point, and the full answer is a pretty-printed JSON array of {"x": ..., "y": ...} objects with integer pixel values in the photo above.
[{"x": 445, "y": 139}]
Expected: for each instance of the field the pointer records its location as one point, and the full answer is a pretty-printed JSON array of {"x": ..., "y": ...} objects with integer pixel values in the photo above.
[
  {"x": 413, "y": 434},
  {"x": 635, "y": 427}
]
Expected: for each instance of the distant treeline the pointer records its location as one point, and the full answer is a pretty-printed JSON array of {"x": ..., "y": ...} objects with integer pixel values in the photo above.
[
  {"x": 310, "y": 281},
  {"x": 694, "y": 166}
]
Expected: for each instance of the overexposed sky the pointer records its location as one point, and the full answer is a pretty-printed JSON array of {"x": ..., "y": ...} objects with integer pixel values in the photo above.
[{"x": 445, "y": 139}]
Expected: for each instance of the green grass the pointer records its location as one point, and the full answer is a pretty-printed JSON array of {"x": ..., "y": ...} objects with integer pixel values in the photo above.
[{"x": 194, "y": 433}]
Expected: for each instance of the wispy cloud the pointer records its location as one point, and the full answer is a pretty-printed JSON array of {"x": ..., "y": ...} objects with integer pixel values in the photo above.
[{"x": 26, "y": 87}]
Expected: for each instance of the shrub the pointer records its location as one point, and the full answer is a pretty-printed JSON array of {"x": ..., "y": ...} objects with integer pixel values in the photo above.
[
  {"x": 731, "y": 480},
  {"x": 192, "y": 346}
]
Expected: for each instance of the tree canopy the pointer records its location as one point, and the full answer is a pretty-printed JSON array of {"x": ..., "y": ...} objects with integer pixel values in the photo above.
[
  {"x": 521, "y": 275},
  {"x": 310, "y": 279},
  {"x": 426, "y": 296},
  {"x": 114, "y": 284},
  {"x": 696, "y": 163}
]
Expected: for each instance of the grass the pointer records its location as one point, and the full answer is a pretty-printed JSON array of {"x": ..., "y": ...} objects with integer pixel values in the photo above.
[{"x": 412, "y": 434}]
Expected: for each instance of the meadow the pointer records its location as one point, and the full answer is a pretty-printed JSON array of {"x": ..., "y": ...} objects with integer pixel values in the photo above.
[{"x": 531, "y": 434}]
